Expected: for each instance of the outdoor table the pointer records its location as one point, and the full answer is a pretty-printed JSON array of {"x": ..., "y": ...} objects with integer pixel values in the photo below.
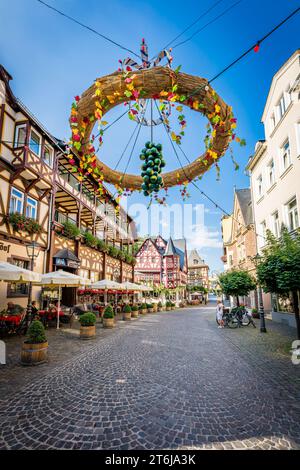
[{"x": 15, "y": 319}]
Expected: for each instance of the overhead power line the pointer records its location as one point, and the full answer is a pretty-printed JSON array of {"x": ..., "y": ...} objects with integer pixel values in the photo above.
[
  {"x": 208, "y": 24},
  {"x": 191, "y": 25},
  {"x": 250, "y": 49},
  {"x": 88, "y": 28}
]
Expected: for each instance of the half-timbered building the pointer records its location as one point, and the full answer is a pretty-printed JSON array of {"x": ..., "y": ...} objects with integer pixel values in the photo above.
[
  {"x": 159, "y": 261},
  {"x": 43, "y": 200}
]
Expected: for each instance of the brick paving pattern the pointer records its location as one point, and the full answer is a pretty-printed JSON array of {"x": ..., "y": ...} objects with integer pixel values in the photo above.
[{"x": 170, "y": 380}]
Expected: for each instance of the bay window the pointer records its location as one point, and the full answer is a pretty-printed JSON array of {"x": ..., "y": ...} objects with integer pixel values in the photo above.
[
  {"x": 35, "y": 142},
  {"x": 20, "y": 135}
]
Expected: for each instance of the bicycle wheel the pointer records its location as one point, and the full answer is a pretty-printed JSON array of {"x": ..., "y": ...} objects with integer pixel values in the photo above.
[
  {"x": 246, "y": 320},
  {"x": 233, "y": 322}
]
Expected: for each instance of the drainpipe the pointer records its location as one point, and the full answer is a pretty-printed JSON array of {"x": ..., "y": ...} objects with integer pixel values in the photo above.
[{"x": 49, "y": 230}]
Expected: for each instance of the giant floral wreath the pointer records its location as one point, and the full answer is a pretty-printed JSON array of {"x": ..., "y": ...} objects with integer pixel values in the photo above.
[{"x": 157, "y": 83}]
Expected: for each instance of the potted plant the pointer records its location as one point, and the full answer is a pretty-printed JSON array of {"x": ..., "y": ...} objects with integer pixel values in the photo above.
[
  {"x": 173, "y": 306},
  {"x": 87, "y": 325},
  {"x": 168, "y": 305},
  {"x": 134, "y": 311},
  {"x": 159, "y": 306},
  {"x": 255, "y": 313},
  {"x": 150, "y": 308},
  {"x": 143, "y": 309},
  {"x": 154, "y": 307},
  {"x": 35, "y": 347},
  {"x": 127, "y": 313},
  {"x": 108, "y": 317}
]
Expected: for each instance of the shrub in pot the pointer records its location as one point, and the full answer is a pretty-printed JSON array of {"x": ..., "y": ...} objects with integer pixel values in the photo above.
[
  {"x": 108, "y": 317},
  {"x": 168, "y": 305},
  {"x": 134, "y": 311},
  {"x": 127, "y": 313},
  {"x": 150, "y": 308},
  {"x": 154, "y": 305},
  {"x": 87, "y": 325},
  {"x": 173, "y": 306},
  {"x": 35, "y": 347},
  {"x": 159, "y": 306},
  {"x": 255, "y": 313},
  {"x": 143, "y": 308}
]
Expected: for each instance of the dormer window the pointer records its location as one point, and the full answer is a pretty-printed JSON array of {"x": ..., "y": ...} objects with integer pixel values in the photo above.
[{"x": 35, "y": 142}]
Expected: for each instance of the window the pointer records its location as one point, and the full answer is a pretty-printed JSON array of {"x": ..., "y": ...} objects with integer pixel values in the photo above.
[
  {"x": 259, "y": 186},
  {"x": 195, "y": 261},
  {"x": 298, "y": 137},
  {"x": 281, "y": 106},
  {"x": 31, "y": 208},
  {"x": 18, "y": 289},
  {"x": 20, "y": 135},
  {"x": 263, "y": 229},
  {"x": 272, "y": 122},
  {"x": 16, "y": 201},
  {"x": 276, "y": 227},
  {"x": 271, "y": 173},
  {"x": 48, "y": 155},
  {"x": 35, "y": 142},
  {"x": 292, "y": 212},
  {"x": 285, "y": 155}
]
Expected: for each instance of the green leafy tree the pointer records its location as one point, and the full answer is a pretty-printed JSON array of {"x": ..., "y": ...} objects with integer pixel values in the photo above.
[
  {"x": 236, "y": 283},
  {"x": 278, "y": 270}
]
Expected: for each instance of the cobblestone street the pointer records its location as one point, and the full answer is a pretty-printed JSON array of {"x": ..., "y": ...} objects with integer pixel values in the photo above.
[{"x": 170, "y": 380}]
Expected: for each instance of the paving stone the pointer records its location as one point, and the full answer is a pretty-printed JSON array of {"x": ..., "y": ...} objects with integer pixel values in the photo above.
[{"x": 178, "y": 382}]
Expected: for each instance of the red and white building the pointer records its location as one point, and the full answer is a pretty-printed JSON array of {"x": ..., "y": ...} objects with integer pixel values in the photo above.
[{"x": 161, "y": 262}]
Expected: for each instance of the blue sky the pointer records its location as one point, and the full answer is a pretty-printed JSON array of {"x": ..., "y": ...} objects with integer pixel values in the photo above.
[{"x": 52, "y": 60}]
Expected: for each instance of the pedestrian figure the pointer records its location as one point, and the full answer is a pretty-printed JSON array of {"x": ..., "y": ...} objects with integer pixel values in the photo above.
[{"x": 220, "y": 311}]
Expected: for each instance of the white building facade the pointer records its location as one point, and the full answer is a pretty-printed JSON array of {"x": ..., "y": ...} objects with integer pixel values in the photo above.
[{"x": 275, "y": 168}]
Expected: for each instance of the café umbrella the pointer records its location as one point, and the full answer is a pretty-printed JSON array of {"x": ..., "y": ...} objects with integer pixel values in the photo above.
[
  {"x": 61, "y": 279},
  {"x": 12, "y": 273},
  {"x": 107, "y": 284}
]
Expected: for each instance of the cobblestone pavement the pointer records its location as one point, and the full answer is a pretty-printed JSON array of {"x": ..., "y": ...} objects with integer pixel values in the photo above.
[{"x": 171, "y": 380}]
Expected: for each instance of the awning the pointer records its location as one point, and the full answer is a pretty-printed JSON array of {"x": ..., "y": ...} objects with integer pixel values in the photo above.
[{"x": 12, "y": 273}]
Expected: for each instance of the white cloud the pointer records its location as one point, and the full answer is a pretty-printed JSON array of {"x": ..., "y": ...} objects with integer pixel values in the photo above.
[{"x": 204, "y": 237}]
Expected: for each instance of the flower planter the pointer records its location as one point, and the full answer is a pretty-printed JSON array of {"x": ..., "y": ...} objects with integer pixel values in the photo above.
[
  {"x": 143, "y": 311},
  {"x": 126, "y": 316},
  {"x": 150, "y": 310},
  {"x": 134, "y": 313},
  {"x": 34, "y": 354},
  {"x": 168, "y": 309},
  {"x": 108, "y": 322},
  {"x": 87, "y": 332},
  {"x": 173, "y": 308},
  {"x": 155, "y": 309}
]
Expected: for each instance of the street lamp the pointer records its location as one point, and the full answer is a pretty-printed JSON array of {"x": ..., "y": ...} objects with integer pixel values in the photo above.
[
  {"x": 33, "y": 250},
  {"x": 261, "y": 309}
]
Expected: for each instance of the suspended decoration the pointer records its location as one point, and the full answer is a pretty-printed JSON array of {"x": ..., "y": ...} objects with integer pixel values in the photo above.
[
  {"x": 166, "y": 88},
  {"x": 151, "y": 155}
]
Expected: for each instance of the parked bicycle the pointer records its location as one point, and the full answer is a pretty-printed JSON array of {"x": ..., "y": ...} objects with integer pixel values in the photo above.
[{"x": 238, "y": 317}]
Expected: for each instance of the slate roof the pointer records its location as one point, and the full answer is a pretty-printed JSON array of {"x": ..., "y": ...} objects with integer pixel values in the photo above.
[
  {"x": 245, "y": 203},
  {"x": 65, "y": 253}
]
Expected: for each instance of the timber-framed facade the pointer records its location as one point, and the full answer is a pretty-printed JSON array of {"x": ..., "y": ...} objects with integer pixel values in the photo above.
[{"x": 41, "y": 196}]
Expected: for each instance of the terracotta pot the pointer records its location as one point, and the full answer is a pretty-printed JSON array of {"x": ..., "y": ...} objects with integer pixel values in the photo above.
[
  {"x": 87, "y": 332},
  {"x": 126, "y": 316},
  {"x": 168, "y": 309},
  {"x": 135, "y": 313},
  {"x": 150, "y": 310},
  {"x": 34, "y": 354},
  {"x": 108, "y": 322},
  {"x": 144, "y": 311}
]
